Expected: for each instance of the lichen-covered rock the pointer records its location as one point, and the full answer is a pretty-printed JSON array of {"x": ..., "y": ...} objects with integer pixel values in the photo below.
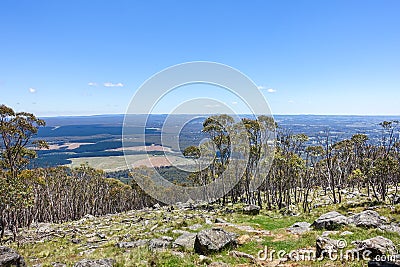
[
  {"x": 392, "y": 261},
  {"x": 213, "y": 240},
  {"x": 159, "y": 244},
  {"x": 346, "y": 233},
  {"x": 330, "y": 221},
  {"x": 133, "y": 244},
  {"x": 95, "y": 263},
  {"x": 218, "y": 264},
  {"x": 251, "y": 210},
  {"x": 390, "y": 228},
  {"x": 383, "y": 264},
  {"x": 376, "y": 246},
  {"x": 299, "y": 228},
  {"x": 325, "y": 246},
  {"x": 186, "y": 241},
  {"x": 9, "y": 257},
  {"x": 368, "y": 219}
]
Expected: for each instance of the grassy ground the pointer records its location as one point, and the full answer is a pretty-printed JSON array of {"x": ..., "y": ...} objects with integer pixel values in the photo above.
[{"x": 156, "y": 223}]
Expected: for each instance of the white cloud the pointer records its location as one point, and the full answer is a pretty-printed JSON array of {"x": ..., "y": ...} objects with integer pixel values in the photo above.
[
  {"x": 269, "y": 90},
  {"x": 291, "y": 101},
  {"x": 234, "y": 103},
  {"x": 108, "y": 84},
  {"x": 32, "y": 90},
  {"x": 92, "y": 84}
]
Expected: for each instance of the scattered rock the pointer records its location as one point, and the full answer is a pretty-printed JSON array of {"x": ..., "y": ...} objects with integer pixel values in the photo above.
[
  {"x": 87, "y": 217},
  {"x": 44, "y": 228},
  {"x": 325, "y": 246},
  {"x": 219, "y": 220},
  {"x": 158, "y": 244},
  {"x": 346, "y": 233},
  {"x": 9, "y": 257},
  {"x": 299, "y": 228},
  {"x": 167, "y": 238},
  {"x": 182, "y": 206},
  {"x": 368, "y": 219},
  {"x": 382, "y": 264},
  {"x": 58, "y": 264},
  {"x": 95, "y": 263},
  {"x": 238, "y": 254},
  {"x": 186, "y": 241},
  {"x": 393, "y": 262},
  {"x": 195, "y": 227},
  {"x": 153, "y": 228},
  {"x": 204, "y": 260},
  {"x": 251, "y": 210},
  {"x": 213, "y": 240},
  {"x": 330, "y": 221},
  {"x": 390, "y": 228},
  {"x": 179, "y": 231},
  {"x": 102, "y": 236},
  {"x": 377, "y": 246},
  {"x": 218, "y": 264},
  {"x": 178, "y": 254},
  {"x": 75, "y": 241},
  {"x": 396, "y": 200},
  {"x": 133, "y": 244}
]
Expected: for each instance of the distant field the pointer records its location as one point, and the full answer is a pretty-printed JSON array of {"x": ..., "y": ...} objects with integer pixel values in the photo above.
[
  {"x": 66, "y": 146},
  {"x": 98, "y": 139},
  {"x": 117, "y": 163}
]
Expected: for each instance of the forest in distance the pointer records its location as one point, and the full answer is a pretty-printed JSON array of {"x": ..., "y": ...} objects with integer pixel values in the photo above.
[
  {"x": 362, "y": 162},
  {"x": 100, "y": 136}
]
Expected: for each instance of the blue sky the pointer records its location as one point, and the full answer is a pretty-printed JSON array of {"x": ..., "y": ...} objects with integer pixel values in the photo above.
[{"x": 89, "y": 57}]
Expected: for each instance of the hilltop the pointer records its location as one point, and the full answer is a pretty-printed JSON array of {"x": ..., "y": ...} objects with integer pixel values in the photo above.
[{"x": 165, "y": 235}]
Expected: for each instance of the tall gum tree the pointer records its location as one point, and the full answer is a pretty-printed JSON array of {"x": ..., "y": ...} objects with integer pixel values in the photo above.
[{"x": 16, "y": 150}]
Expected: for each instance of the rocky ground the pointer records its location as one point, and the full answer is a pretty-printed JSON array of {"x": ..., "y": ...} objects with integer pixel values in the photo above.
[{"x": 187, "y": 235}]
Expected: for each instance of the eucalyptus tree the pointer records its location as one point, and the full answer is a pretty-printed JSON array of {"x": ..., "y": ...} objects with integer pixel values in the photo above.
[
  {"x": 16, "y": 150},
  {"x": 313, "y": 155},
  {"x": 218, "y": 127}
]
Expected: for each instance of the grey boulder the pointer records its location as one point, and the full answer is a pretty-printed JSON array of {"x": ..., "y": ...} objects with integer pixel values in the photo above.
[
  {"x": 326, "y": 246},
  {"x": 368, "y": 219},
  {"x": 9, "y": 257},
  {"x": 299, "y": 228},
  {"x": 376, "y": 246},
  {"x": 330, "y": 221},
  {"x": 213, "y": 240},
  {"x": 133, "y": 244},
  {"x": 159, "y": 244},
  {"x": 186, "y": 241},
  {"x": 383, "y": 264},
  {"x": 95, "y": 263},
  {"x": 251, "y": 210}
]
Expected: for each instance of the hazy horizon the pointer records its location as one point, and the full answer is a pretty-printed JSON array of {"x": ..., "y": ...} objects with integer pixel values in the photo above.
[{"x": 120, "y": 114}]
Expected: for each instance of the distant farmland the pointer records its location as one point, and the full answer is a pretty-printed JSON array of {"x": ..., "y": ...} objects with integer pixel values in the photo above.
[{"x": 117, "y": 163}]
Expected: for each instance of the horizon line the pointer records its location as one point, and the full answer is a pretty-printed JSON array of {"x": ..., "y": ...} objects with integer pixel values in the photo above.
[{"x": 298, "y": 114}]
